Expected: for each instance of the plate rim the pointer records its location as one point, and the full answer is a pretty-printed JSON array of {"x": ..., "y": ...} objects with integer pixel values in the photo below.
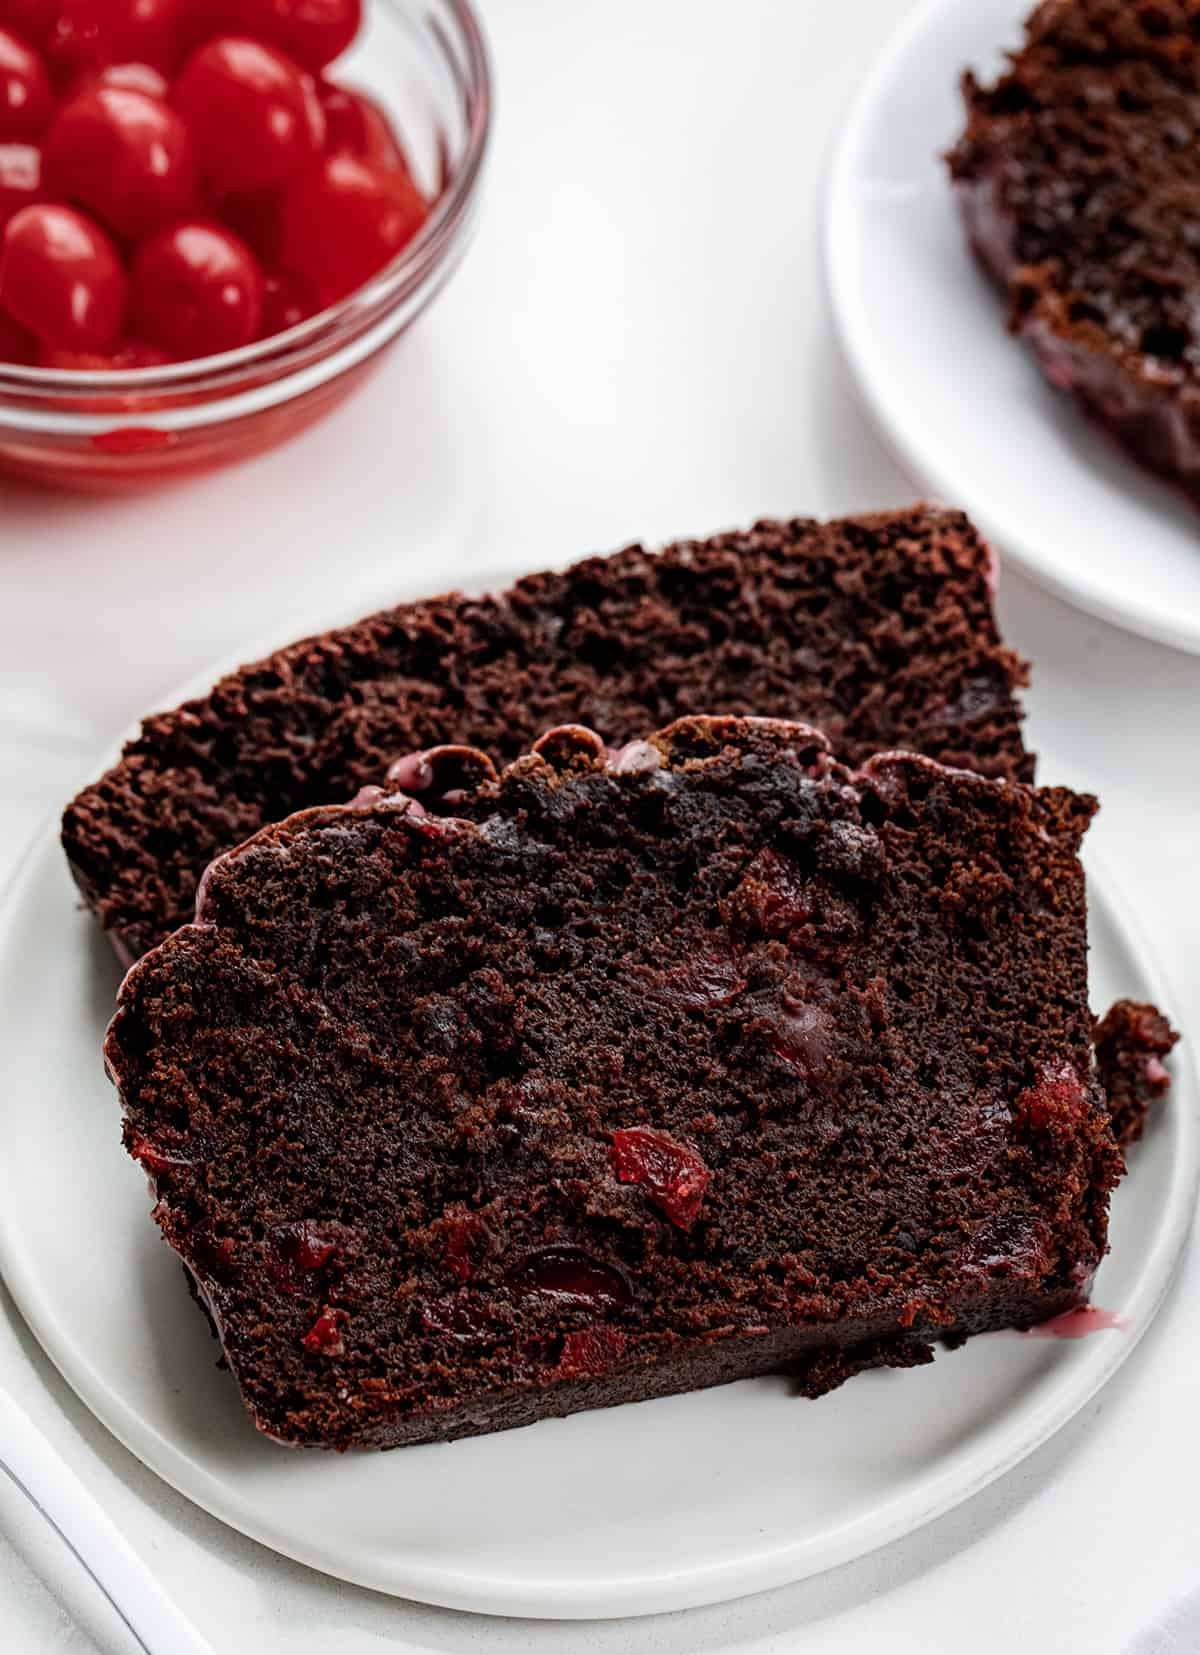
[
  {"x": 1086, "y": 1367},
  {"x": 883, "y": 401}
]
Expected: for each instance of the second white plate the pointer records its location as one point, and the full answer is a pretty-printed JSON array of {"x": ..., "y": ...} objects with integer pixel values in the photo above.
[
  {"x": 664, "y": 1505},
  {"x": 962, "y": 404}
]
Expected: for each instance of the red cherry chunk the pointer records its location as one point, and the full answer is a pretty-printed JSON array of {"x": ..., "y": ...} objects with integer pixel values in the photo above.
[
  {"x": 307, "y": 1248},
  {"x": 466, "y": 1318},
  {"x": 465, "y": 1243},
  {"x": 802, "y": 1035},
  {"x": 342, "y": 221},
  {"x": 674, "y": 1177},
  {"x": 1055, "y": 1103},
  {"x": 156, "y": 1157},
  {"x": 324, "y": 1337},
  {"x": 61, "y": 277},
  {"x": 91, "y": 33},
  {"x": 26, "y": 101},
  {"x": 570, "y": 1273},
  {"x": 296, "y": 1251},
  {"x": 214, "y": 1254},
  {"x": 1009, "y": 1246},
  {"x": 704, "y": 982},
  {"x": 197, "y": 290},
  {"x": 355, "y": 125},
  {"x": 254, "y": 116},
  {"x": 20, "y": 179},
  {"x": 313, "y": 32},
  {"x": 124, "y": 156},
  {"x": 590, "y": 1351},
  {"x": 774, "y": 898}
]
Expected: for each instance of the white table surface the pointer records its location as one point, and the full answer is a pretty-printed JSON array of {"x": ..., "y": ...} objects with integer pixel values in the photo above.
[{"x": 637, "y": 347}]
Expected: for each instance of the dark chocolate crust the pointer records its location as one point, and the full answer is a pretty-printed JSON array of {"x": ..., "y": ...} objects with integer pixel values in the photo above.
[
  {"x": 878, "y": 629},
  {"x": 650, "y": 1070},
  {"x": 1078, "y": 175}
]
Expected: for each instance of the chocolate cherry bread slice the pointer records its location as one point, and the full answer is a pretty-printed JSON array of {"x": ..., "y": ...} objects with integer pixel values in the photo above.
[
  {"x": 653, "y": 1070},
  {"x": 879, "y": 630},
  {"x": 1078, "y": 176}
]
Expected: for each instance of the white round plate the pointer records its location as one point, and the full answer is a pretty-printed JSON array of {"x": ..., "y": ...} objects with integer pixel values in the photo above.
[
  {"x": 963, "y": 404},
  {"x": 662, "y": 1505}
]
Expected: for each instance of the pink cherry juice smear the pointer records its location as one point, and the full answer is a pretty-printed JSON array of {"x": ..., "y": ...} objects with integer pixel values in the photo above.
[{"x": 1077, "y": 1324}]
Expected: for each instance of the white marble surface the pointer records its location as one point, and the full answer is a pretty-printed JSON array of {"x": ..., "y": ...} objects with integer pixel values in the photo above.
[{"x": 636, "y": 347}]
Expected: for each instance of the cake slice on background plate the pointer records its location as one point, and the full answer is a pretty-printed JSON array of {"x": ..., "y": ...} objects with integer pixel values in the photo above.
[
  {"x": 647, "y": 1071},
  {"x": 879, "y": 630},
  {"x": 1078, "y": 175}
]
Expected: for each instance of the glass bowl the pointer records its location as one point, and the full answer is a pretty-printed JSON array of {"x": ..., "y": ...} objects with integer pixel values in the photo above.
[{"x": 425, "y": 61}]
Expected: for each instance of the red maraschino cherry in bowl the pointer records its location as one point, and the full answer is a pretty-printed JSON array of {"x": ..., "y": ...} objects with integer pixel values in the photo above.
[{"x": 214, "y": 215}]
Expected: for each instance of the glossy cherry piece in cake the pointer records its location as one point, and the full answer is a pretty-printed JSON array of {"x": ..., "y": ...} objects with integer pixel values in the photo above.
[
  {"x": 307, "y": 1248},
  {"x": 157, "y": 1158},
  {"x": 802, "y": 1035},
  {"x": 466, "y": 1318},
  {"x": 125, "y": 157},
  {"x": 324, "y": 1337},
  {"x": 254, "y": 115},
  {"x": 20, "y": 179},
  {"x": 1054, "y": 1103},
  {"x": 91, "y": 33},
  {"x": 214, "y": 1254},
  {"x": 466, "y": 1243},
  {"x": 673, "y": 1176},
  {"x": 61, "y": 277},
  {"x": 26, "y": 101},
  {"x": 774, "y": 898},
  {"x": 591, "y": 1351},
  {"x": 341, "y": 221},
  {"x": 707, "y": 980},
  {"x": 296, "y": 1252},
  {"x": 313, "y": 32},
  {"x": 197, "y": 290},
  {"x": 571, "y": 1273}
]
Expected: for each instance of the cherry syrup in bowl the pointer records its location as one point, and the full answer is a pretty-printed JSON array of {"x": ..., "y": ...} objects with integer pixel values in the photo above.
[{"x": 415, "y": 78}]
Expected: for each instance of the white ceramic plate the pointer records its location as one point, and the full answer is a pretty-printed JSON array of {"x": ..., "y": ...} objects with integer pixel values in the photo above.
[
  {"x": 663, "y": 1505},
  {"x": 962, "y": 404}
]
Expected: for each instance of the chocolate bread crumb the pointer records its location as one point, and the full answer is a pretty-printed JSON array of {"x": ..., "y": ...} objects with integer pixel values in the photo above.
[{"x": 1131, "y": 1041}]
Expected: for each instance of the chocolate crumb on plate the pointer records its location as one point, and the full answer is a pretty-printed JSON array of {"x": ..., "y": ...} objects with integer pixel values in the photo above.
[{"x": 625, "y": 1080}]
